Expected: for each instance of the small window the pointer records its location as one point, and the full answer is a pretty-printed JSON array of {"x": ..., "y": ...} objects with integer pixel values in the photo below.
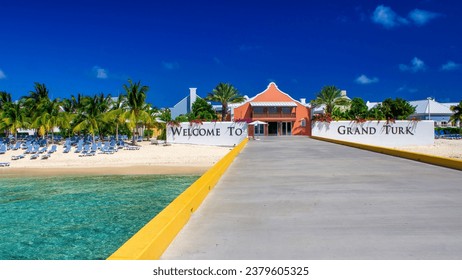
[
  {"x": 272, "y": 110},
  {"x": 258, "y": 110},
  {"x": 303, "y": 123},
  {"x": 286, "y": 110}
]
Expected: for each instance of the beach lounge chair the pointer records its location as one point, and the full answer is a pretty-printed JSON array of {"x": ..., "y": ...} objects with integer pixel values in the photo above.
[
  {"x": 79, "y": 148},
  {"x": 67, "y": 149},
  {"x": 42, "y": 150},
  {"x": 29, "y": 149},
  {"x": 34, "y": 156},
  {"x": 3, "y": 164},
  {"x": 131, "y": 148},
  {"x": 24, "y": 145},
  {"x": 45, "y": 156},
  {"x": 113, "y": 149},
  {"x": 35, "y": 149},
  {"x": 17, "y": 157},
  {"x": 105, "y": 150},
  {"x": 53, "y": 149},
  {"x": 17, "y": 146},
  {"x": 2, "y": 149}
]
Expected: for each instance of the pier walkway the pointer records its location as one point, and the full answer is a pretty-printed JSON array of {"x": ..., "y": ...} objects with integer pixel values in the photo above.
[{"x": 299, "y": 198}]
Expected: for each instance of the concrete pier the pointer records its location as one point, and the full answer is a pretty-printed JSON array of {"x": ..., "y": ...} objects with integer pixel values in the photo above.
[{"x": 299, "y": 198}]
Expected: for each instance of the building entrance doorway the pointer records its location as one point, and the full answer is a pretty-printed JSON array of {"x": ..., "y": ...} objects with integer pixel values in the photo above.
[
  {"x": 272, "y": 128},
  {"x": 259, "y": 129},
  {"x": 286, "y": 128}
]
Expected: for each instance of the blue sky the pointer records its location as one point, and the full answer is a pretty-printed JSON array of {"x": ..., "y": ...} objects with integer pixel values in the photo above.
[{"x": 372, "y": 49}]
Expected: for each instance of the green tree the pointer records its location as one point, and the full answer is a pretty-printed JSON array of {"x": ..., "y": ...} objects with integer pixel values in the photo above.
[
  {"x": 358, "y": 109},
  {"x": 136, "y": 97},
  {"x": 376, "y": 113},
  {"x": 5, "y": 98},
  {"x": 50, "y": 116},
  {"x": 151, "y": 121},
  {"x": 202, "y": 110},
  {"x": 338, "y": 114},
  {"x": 35, "y": 96},
  {"x": 225, "y": 93},
  {"x": 398, "y": 109},
  {"x": 13, "y": 117},
  {"x": 329, "y": 96},
  {"x": 116, "y": 114},
  {"x": 91, "y": 115},
  {"x": 457, "y": 116}
]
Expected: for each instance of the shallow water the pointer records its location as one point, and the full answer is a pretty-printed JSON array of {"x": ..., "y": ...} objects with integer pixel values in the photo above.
[{"x": 79, "y": 218}]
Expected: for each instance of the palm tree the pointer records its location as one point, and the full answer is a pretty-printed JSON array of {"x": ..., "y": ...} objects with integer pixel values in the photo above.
[
  {"x": 91, "y": 115},
  {"x": 39, "y": 93},
  {"x": 330, "y": 96},
  {"x": 5, "y": 97},
  {"x": 457, "y": 116},
  {"x": 51, "y": 116},
  {"x": 225, "y": 93},
  {"x": 116, "y": 114},
  {"x": 13, "y": 117},
  {"x": 136, "y": 97},
  {"x": 32, "y": 101}
]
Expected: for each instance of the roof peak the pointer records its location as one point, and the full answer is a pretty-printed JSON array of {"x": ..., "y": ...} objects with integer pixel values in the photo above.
[{"x": 272, "y": 84}]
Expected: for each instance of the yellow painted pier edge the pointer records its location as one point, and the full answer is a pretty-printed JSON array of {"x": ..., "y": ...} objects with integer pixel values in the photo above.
[
  {"x": 435, "y": 160},
  {"x": 150, "y": 242}
]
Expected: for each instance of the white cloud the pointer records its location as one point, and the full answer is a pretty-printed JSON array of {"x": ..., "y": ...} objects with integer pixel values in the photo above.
[
  {"x": 421, "y": 17},
  {"x": 387, "y": 17},
  {"x": 100, "y": 72},
  {"x": 415, "y": 66},
  {"x": 171, "y": 65},
  {"x": 407, "y": 89},
  {"x": 2, "y": 74},
  {"x": 364, "y": 80},
  {"x": 450, "y": 66}
]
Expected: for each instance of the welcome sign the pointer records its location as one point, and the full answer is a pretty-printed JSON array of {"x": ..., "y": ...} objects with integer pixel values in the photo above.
[
  {"x": 379, "y": 133},
  {"x": 207, "y": 133}
]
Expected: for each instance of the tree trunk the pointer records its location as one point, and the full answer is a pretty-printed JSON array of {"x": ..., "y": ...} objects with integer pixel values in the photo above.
[
  {"x": 133, "y": 137},
  {"x": 224, "y": 111},
  {"x": 117, "y": 132}
]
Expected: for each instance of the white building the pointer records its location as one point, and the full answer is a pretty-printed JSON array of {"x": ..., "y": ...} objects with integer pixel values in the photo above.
[
  {"x": 428, "y": 109},
  {"x": 184, "y": 106}
]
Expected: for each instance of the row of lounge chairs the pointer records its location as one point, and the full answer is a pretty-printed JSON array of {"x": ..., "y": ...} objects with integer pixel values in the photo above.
[
  {"x": 37, "y": 152},
  {"x": 443, "y": 135},
  {"x": 4, "y": 164}
]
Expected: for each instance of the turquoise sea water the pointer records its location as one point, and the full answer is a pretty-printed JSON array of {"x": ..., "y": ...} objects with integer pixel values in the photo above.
[{"x": 80, "y": 218}]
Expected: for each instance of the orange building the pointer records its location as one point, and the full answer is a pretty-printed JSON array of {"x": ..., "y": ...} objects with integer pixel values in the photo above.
[{"x": 282, "y": 114}]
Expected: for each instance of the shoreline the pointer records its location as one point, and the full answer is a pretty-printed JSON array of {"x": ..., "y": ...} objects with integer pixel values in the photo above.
[{"x": 88, "y": 171}]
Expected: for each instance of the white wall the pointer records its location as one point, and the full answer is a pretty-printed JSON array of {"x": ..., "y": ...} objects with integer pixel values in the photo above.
[
  {"x": 378, "y": 133},
  {"x": 208, "y": 133}
]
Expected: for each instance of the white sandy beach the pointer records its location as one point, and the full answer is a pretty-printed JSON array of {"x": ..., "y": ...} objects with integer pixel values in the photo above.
[
  {"x": 442, "y": 147},
  {"x": 149, "y": 159}
]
